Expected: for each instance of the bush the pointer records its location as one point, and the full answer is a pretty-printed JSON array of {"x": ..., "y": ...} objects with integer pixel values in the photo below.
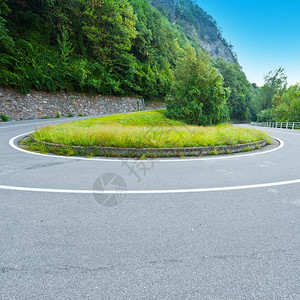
[{"x": 4, "y": 118}]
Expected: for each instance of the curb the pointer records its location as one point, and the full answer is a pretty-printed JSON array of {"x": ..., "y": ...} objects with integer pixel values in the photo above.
[{"x": 151, "y": 152}]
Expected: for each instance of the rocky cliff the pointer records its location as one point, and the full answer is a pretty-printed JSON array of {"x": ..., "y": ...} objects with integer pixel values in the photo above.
[{"x": 199, "y": 26}]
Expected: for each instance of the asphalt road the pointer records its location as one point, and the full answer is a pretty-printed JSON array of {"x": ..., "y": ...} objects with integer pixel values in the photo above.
[{"x": 212, "y": 228}]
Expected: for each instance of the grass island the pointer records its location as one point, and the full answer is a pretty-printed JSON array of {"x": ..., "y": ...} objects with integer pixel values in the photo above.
[{"x": 138, "y": 130}]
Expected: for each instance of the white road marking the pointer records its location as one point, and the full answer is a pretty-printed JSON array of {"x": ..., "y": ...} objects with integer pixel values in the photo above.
[
  {"x": 139, "y": 192},
  {"x": 37, "y": 123},
  {"x": 175, "y": 191},
  {"x": 13, "y": 145},
  {"x": 57, "y": 120}
]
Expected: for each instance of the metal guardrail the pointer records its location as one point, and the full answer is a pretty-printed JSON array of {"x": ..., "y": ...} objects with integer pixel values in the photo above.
[{"x": 284, "y": 125}]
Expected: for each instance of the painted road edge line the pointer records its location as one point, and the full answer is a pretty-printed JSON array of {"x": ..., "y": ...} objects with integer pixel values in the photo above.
[{"x": 16, "y": 147}]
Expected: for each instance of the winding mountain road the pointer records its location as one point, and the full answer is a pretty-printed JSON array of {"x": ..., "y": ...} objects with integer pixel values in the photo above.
[{"x": 204, "y": 228}]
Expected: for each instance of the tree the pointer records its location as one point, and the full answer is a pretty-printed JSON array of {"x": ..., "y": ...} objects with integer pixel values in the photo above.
[
  {"x": 240, "y": 89},
  {"x": 197, "y": 95},
  {"x": 287, "y": 105},
  {"x": 274, "y": 82},
  {"x": 276, "y": 79}
]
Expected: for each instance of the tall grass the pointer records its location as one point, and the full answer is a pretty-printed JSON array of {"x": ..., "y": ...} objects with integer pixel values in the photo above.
[{"x": 145, "y": 130}]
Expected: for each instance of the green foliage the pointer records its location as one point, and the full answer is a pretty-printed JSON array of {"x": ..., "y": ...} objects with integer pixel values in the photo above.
[
  {"x": 157, "y": 48},
  {"x": 287, "y": 105},
  {"x": 4, "y": 9},
  {"x": 197, "y": 95},
  {"x": 6, "y": 41},
  {"x": 265, "y": 115},
  {"x": 241, "y": 90},
  {"x": 109, "y": 47},
  {"x": 275, "y": 102},
  {"x": 116, "y": 47},
  {"x": 274, "y": 82},
  {"x": 4, "y": 118},
  {"x": 65, "y": 45},
  {"x": 109, "y": 26}
]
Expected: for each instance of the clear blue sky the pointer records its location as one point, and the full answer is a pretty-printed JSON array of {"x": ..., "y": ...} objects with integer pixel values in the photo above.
[{"x": 265, "y": 34}]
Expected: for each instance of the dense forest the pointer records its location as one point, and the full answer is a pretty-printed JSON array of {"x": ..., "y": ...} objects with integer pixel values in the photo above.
[{"x": 130, "y": 47}]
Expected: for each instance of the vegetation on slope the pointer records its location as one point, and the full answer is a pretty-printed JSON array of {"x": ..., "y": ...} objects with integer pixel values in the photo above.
[{"x": 112, "y": 47}]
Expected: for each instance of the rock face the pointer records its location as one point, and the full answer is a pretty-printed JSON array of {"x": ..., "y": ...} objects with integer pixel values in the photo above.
[
  {"x": 38, "y": 105},
  {"x": 217, "y": 49},
  {"x": 201, "y": 26}
]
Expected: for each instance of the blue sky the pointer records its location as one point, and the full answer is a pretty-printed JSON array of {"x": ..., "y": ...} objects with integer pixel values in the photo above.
[{"x": 265, "y": 34}]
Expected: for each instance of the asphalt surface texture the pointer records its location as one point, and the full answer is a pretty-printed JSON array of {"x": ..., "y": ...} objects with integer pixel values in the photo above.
[{"x": 208, "y": 228}]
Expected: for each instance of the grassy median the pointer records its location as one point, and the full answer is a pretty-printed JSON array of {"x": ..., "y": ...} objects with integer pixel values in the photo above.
[{"x": 151, "y": 129}]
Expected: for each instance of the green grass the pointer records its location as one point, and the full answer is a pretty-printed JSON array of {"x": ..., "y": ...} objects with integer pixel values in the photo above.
[{"x": 150, "y": 129}]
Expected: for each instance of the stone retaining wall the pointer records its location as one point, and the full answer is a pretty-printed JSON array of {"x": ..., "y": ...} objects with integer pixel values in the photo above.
[
  {"x": 150, "y": 152},
  {"x": 38, "y": 105}
]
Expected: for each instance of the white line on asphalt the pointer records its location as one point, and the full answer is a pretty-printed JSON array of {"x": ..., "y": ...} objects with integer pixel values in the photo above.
[
  {"x": 58, "y": 121},
  {"x": 139, "y": 192},
  {"x": 13, "y": 145},
  {"x": 37, "y": 123}
]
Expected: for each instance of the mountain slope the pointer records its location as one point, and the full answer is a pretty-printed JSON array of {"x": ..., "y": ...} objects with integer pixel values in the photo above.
[
  {"x": 199, "y": 26},
  {"x": 112, "y": 47}
]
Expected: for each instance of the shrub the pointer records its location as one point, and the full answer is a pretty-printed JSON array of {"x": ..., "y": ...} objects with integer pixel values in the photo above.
[{"x": 4, "y": 118}]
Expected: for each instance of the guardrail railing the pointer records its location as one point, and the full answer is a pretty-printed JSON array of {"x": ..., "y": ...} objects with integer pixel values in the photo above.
[{"x": 284, "y": 125}]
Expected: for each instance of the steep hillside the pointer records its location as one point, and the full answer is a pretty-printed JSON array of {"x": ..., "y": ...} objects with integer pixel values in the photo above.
[
  {"x": 112, "y": 47},
  {"x": 199, "y": 26}
]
